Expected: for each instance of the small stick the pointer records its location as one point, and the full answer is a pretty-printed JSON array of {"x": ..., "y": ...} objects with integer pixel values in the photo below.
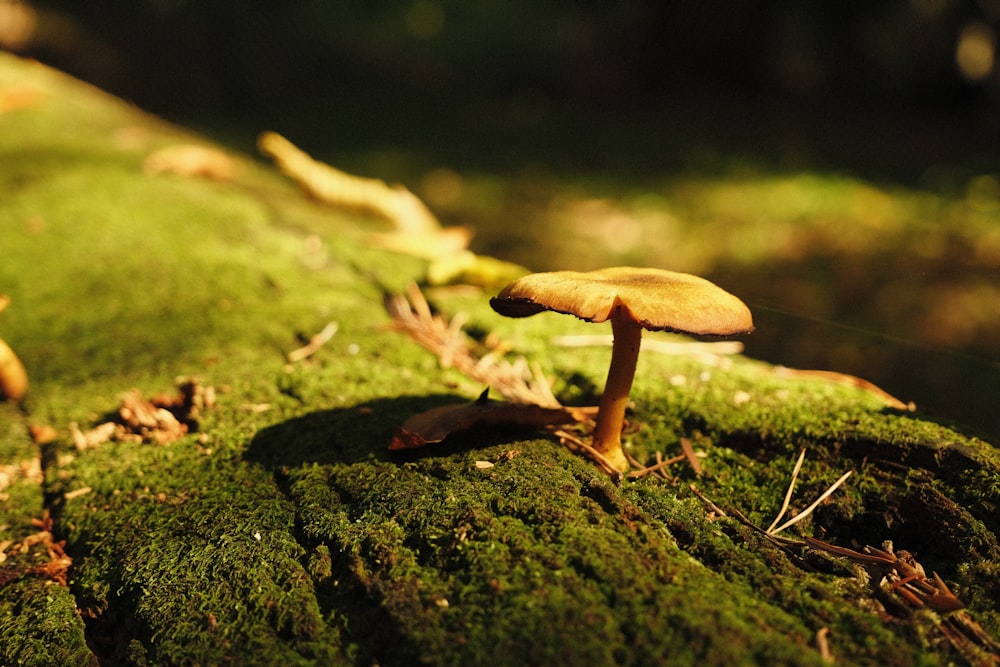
[
  {"x": 823, "y": 644},
  {"x": 712, "y": 506},
  {"x": 660, "y": 464},
  {"x": 76, "y": 493},
  {"x": 566, "y": 436},
  {"x": 314, "y": 343}
]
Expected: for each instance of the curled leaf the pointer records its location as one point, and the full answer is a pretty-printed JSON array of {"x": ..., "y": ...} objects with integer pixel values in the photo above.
[
  {"x": 338, "y": 188},
  {"x": 438, "y": 423}
]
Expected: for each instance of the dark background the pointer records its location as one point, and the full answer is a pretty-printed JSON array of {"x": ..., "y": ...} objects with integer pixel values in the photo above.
[
  {"x": 605, "y": 92},
  {"x": 212, "y": 59}
]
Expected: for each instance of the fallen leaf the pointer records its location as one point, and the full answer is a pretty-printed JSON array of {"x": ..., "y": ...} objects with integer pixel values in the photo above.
[
  {"x": 847, "y": 381},
  {"x": 160, "y": 420},
  {"x": 342, "y": 190},
  {"x": 438, "y": 423}
]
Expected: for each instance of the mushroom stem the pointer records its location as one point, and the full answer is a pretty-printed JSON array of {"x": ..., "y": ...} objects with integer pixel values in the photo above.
[{"x": 611, "y": 412}]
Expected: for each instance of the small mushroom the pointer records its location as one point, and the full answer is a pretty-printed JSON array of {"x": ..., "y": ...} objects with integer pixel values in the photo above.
[{"x": 633, "y": 299}]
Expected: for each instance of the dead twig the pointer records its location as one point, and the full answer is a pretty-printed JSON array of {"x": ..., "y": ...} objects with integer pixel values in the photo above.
[
  {"x": 708, "y": 352},
  {"x": 712, "y": 506},
  {"x": 575, "y": 443},
  {"x": 316, "y": 342},
  {"x": 823, "y": 645}
]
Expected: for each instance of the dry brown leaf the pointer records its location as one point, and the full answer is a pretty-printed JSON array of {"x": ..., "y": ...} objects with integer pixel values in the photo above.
[
  {"x": 337, "y": 188},
  {"x": 436, "y": 424},
  {"x": 148, "y": 420},
  {"x": 160, "y": 420},
  {"x": 847, "y": 381},
  {"x": 55, "y": 568}
]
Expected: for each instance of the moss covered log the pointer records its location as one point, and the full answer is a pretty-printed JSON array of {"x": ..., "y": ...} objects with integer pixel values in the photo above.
[{"x": 282, "y": 531}]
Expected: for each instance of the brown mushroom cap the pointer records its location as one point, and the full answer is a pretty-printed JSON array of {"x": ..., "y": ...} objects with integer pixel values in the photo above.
[{"x": 654, "y": 298}]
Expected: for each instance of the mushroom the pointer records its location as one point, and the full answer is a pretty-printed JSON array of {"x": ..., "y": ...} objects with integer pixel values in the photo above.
[{"x": 633, "y": 299}]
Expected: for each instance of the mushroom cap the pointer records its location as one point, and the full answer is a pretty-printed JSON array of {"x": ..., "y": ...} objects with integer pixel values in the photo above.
[{"x": 653, "y": 298}]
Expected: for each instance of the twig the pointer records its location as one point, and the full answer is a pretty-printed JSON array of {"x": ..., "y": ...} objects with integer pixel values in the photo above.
[
  {"x": 655, "y": 344},
  {"x": 823, "y": 644},
  {"x": 568, "y": 438},
  {"x": 657, "y": 467},
  {"x": 708, "y": 352},
  {"x": 712, "y": 506},
  {"x": 316, "y": 342}
]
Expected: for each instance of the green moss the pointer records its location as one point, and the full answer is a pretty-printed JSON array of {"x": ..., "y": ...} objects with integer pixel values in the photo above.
[{"x": 39, "y": 625}]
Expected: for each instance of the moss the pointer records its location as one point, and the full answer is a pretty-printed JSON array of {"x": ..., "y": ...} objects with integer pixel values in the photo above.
[
  {"x": 285, "y": 533},
  {"x": 459, "y": 572},
  {"x": 39, "y": 625}
]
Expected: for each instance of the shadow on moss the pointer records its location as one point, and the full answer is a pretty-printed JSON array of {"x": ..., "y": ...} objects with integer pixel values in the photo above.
[{"x": 363, "y": 432}]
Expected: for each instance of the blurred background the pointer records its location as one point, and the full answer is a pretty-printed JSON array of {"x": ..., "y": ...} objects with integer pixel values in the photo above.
[{"x": 835, "y": 164}]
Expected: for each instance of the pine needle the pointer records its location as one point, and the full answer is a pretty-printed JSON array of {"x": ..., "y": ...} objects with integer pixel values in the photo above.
[{"x": 771, "y": 530}]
